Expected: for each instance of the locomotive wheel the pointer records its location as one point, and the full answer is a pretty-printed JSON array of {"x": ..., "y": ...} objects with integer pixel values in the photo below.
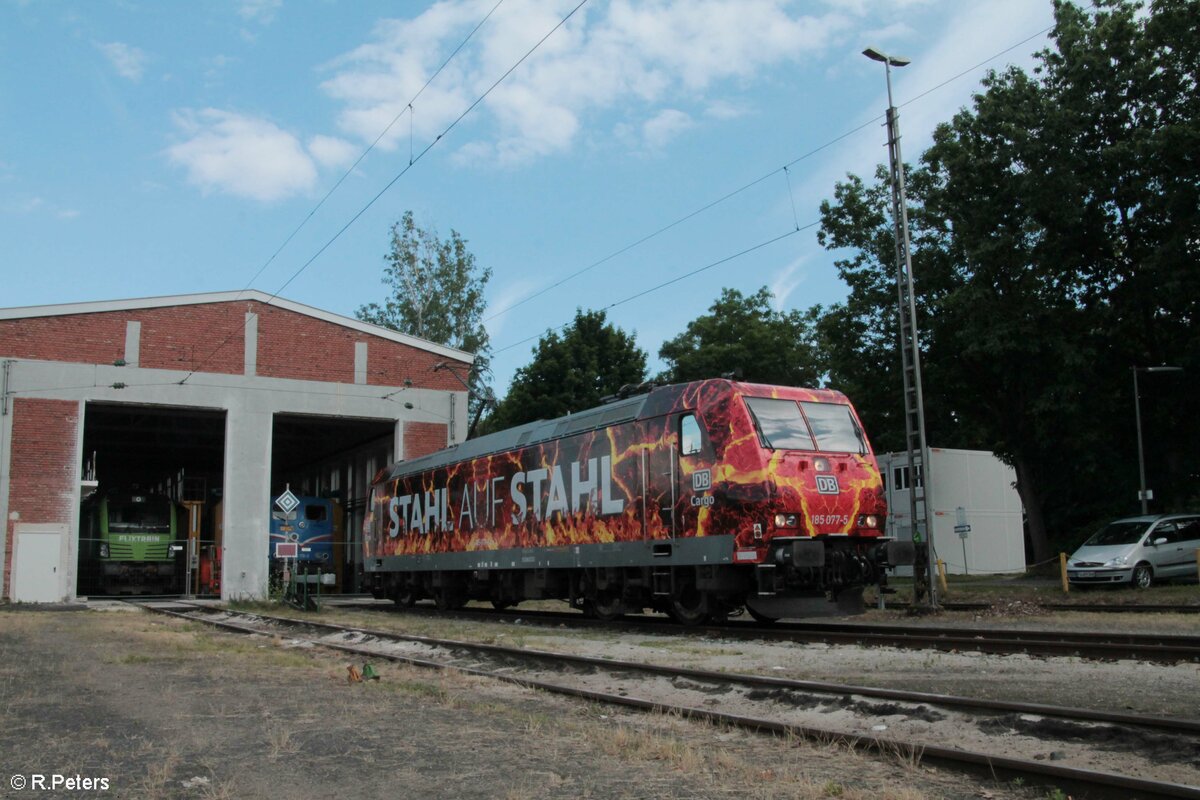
[
  {"x": 605, "y": 606},
  {"x": 447, "y": 599},
  {"x": 761, "y": 619},
  {"x": 500, "y": 605},
  {"x": 690, "y": 606},
  {"x": 405, "y": 597}
]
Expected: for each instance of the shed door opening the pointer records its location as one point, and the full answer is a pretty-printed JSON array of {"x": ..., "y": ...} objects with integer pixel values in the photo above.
[
  {"x": 327, "y": 464},
  {"x": 152, "y": 524}
]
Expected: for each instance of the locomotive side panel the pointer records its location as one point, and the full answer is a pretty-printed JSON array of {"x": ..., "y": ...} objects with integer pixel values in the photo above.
[{"x": 603, "y": 487}]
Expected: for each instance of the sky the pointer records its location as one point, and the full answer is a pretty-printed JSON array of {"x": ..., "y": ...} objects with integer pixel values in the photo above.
[{"x": 151, "y": 148}]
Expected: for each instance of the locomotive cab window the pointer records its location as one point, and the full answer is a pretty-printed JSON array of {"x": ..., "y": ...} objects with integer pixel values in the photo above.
[
  {"x": 835, "y": 429},
  {"x": 779, "y": 424},
  {"x": 690, "y": 439},
  {"x": 314, "y": 513}
]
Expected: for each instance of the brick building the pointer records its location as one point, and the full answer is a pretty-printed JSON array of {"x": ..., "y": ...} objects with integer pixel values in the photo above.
[{"x": 223, "y": 400}]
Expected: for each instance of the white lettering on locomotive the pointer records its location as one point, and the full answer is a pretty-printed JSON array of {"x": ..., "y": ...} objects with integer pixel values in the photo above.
[{"x": 541, "y": 492}]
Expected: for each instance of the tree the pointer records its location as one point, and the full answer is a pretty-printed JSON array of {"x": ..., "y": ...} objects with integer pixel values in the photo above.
[
  {"x": 1054, "y": 244},
  {"x": 572, "y": 371},
  {"x": 745, "y": 335},
  {"x": 436, "y": 293}
]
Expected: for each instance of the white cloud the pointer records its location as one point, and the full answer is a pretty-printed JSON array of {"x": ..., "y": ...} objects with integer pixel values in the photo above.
[
  {"x": 38, "y": 205},
  {"x": 626, "y": 57},
  {"x": 889, "y": 33},
  {"x": 506, "y": 299},
  {"x": 330, "y": 151},
  {"x": 724, "y": 109},
  {"x": 241, "y": 155},
  {"x": 664, "y": 127},
  {"x": 128, "y": 61},
  {"x": 785, "y": 281},
  {"x": 260, "y": 11}
]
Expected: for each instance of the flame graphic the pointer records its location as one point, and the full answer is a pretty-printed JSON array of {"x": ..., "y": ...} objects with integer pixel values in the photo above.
[{"x": 749, "y": 484}]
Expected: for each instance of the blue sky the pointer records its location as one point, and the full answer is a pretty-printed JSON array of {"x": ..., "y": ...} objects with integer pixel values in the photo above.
[{"x": 154, "y": 148}]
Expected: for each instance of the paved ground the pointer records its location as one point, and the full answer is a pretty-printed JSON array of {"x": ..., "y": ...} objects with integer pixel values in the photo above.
[{"x": 165, "y": 709}]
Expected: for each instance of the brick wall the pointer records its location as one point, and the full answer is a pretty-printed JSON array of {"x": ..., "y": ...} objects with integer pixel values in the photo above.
[
  {"x": 210, "y": 337},
  {"x": 423, "y": 438},
  {"x": 43, "y": 469}
]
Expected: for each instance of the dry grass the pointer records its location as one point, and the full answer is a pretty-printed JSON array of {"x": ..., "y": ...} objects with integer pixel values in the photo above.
[
  {"x": 155, "y": 784},
  {"x": 569, "y": 748}
]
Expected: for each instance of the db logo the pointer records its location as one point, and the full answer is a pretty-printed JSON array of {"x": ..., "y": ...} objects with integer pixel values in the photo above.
[
  {"x": 827, "y": 484},
  {"x": 701, "y": 480}
]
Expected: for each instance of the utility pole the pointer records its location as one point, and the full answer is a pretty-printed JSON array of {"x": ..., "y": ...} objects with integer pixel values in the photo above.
[{"x": 920, "y": 477}]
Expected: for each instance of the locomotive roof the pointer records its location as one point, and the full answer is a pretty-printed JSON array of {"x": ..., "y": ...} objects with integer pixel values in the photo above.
[
  {"x": 546, "y": 430},
  {"x": 527, "y": 434}
]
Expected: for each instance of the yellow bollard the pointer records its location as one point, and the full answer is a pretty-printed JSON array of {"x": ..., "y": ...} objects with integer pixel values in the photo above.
[
  {"x": 942, "y": 575},
  {"x": 1062, "y": 564}
]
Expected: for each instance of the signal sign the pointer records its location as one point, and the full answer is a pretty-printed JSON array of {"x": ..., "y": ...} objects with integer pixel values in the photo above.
[{"x": 287, "y": 501}]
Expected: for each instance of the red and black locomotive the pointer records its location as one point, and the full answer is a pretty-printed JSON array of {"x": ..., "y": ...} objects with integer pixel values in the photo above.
[{"x": 696, "y": 499}]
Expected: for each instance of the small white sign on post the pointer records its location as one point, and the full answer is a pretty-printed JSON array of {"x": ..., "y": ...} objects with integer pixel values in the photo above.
[
  {"x": 287, "y": 501},
  {"x": 962, "y": 529}
]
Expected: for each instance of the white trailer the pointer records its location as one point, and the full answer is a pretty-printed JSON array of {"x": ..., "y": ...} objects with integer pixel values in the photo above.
[{"x": 977, "y": 515}]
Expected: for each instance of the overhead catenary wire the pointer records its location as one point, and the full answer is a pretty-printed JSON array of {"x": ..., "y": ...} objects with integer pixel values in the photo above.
[
  {"x": 428, "y": 147},
  {"x": 350, "y": 170},
  {"x": 644, "y": 239},
  {"x": 676, "y": 279},
  {"x": 735, "y": 192},
  {"x": 412, "y": 162}
]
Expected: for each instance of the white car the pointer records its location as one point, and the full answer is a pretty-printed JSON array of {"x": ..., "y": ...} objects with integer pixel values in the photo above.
[{"x": 1138, "y": 550}]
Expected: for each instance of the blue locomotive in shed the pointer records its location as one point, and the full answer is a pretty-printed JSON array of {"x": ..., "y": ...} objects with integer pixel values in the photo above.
[{"x": 308, "y": 523}]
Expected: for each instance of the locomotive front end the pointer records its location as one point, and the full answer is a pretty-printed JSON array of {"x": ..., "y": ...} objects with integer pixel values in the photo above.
[{"x": 818, "y": 539}]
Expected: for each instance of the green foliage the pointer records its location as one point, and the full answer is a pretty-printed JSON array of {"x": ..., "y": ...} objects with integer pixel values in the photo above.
[
  {"x": 436, "y": 293},
  {"x": 745, "y": 335},
  {"x": 571, "y": 371},
  {"x": 1056, "y": 235}
]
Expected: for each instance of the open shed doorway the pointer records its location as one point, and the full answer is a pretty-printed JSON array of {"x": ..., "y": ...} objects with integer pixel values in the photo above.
[
  {"x": 149, "y": 520},
  {"x": 327, "y": 463}
]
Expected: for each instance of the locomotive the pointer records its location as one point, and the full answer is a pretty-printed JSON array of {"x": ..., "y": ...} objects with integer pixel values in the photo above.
[
  {"x": 696, "y": 499},
  {"x": 310, "y": 526},
  {"x": 130, "y": 538}
]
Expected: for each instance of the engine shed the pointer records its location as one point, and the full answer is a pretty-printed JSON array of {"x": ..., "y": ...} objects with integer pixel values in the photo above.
[{"x": 218, "y": 404}]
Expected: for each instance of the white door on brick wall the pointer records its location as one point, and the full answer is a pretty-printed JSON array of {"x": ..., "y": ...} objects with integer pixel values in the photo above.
[{"x": 38, "y": 573}]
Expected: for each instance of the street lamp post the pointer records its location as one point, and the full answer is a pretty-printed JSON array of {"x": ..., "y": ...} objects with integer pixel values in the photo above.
[
  {"x": 910, "y": 347},
  {"x": 1137, "y": 418}
]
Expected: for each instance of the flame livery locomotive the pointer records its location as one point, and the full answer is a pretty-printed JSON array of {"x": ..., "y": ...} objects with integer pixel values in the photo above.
[{"x": 696, "y": 499}]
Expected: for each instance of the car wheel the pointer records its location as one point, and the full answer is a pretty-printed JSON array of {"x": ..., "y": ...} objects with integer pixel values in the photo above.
[{"x": 1143, "y": 576}]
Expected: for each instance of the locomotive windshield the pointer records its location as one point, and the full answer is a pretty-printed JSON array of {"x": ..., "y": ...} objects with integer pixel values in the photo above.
[
  {"x": 779, "y": 423},
  {"x": 829, "y": 427},
  {"x": 834, "y": 428},
  {"x": 152, "y": 514}
]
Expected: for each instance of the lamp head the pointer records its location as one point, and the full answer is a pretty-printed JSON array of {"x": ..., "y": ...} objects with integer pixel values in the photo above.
[{"x": 875, "y": 54}]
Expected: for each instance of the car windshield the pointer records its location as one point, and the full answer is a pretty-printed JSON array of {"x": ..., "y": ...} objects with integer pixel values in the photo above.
[{"x": 1117, "y": 533}]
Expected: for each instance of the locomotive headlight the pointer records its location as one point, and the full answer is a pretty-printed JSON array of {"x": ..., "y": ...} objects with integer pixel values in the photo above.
[
  {"x": 871, "y": 521},
  {"x": 821, "y": 465},
  {"x": 104, "y": 549},
  {"x": 787, "y": 520}
]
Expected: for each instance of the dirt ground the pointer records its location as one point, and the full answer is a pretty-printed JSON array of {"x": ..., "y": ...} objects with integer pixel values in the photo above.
[{"x": 167, "y": 709}]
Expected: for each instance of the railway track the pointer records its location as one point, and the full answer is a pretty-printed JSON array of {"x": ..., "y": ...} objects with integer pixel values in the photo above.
[
  {"x": 1089, "y": 608},
  {"x": 1049, "y": 745},
  {"x": 1159, "y": 648}
]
